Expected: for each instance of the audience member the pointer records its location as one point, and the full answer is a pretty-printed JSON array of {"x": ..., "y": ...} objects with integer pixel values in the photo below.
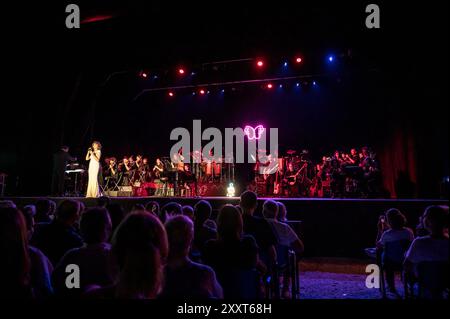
[
  {"x": 169, "y": 210},
  {"x": 259, "y": 228},
  {"x": 202, "y": 232},
  {"x": 24, "y": 269},
  {"x": 282, "y": 212},
  {"x": 140, "y": 247},
  {"x": 286, "y": 238},
  {"x": 188, "y": 211},
  {"x": 433, "y": 247},
  {"x": 232, "y": 249},
  {"x": 93, "y": 258},
  {"x": 58, "y": 236},
  {"x": 103, "y": 201},
  {"x": 184, "y": 278},
  {"x": 153, "y": 207},
  {"x": 44, "y": 211}
]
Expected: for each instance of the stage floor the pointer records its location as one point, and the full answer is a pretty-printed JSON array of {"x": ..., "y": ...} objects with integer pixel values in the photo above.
[{"x": 330, "y": 227}]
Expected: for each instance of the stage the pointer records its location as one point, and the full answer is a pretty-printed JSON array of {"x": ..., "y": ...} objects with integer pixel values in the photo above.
[{"x": 329, "y": 227}]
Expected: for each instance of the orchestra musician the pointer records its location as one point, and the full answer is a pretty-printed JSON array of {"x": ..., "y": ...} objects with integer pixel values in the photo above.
[
  {"x": 127, "y": 171},
  {"x": 145, "y": 169},
  {"x": 138, "y": 162},
  {"x": 111, "y": 169},
  {"x": 337, "y": 177},
  {"x": 158, "y": 169}
]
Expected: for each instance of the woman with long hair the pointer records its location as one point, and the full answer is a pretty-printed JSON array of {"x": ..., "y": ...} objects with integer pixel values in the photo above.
[
  {"x": 93, "y": 156},
  {"x": 140, "y": 247},
  {"x": 15, "y": 268}
]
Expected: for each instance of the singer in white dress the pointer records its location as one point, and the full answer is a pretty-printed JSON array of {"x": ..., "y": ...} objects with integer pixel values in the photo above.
[{"x": 93, "y": 156}]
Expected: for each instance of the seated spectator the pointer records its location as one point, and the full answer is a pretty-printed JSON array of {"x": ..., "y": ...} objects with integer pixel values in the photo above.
[
  {"x": 282, "y": 212},
  {"x": 58, "y": 236},
  {"x": 138, "y": 208},
  {"x": 103, "y": 201},
  {"x": 202, "y": 232},
  {"x": 44, "y": 211},
  {"x": 396, "y": 229},
  {"x": 188, "y": 211},
  {"x": 232, "y": 249},
  {"x": 259, "y": 228},
  {"x": 393, "y": 230},
  {"x": 41, "y": 267},
  {"x": 184, "y": 278},
  {"x": 29, "y": 212},
  {"x": 25, "y": 271},
  {"x": 93, "y": 258},
  {"x": 432, "y": 247},
  {"x": 286, "y": 238},
  {"x": 117, "y": 214},
  {"x": 170, "y": 209},
  {"x": 140, "y": 248},
  {"x": 153, "y": 207},
  {"x": 284, "y": 233},
  {"x": 232, "y": 253}
]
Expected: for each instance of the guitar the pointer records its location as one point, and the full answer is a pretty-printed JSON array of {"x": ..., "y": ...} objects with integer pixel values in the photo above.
[{"x": 293, "y": 178}]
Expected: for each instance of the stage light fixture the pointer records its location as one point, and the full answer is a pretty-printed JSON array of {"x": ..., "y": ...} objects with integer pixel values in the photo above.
[
  {"x": 202, "y": 91},
  {"x": 330, "y": 58},
  {"x": 143, "y": 74},
  {"x": 171, "y": 94},
  {"x": 181, "y": 71},
  {"x": 281, "y": 86},
  {"x": 260, "y": 63},
  {"x": 298, "y": 60},
  {"x": 285, "y": 64},
  {"x": 297, "y": 84},
  {"x": 269, "y": 85}
]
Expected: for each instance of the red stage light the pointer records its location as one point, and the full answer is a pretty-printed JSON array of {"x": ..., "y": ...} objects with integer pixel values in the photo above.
[
  {"x": 171, "y": 94},
  {"x": 181, "y": 71},
  {"x": 298, "y": 59},
  {"x": 269, "y": 85},
  {"x": 202, "y": 92},
  {"x": 260, "y": 63},
  {"x": 143, "y": 74}
]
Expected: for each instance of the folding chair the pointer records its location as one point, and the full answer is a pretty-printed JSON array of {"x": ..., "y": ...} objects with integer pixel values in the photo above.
[{"x": 391, "y": 258}]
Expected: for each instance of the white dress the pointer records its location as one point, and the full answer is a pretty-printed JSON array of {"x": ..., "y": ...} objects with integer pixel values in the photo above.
[{"x": 93, "y": 189}]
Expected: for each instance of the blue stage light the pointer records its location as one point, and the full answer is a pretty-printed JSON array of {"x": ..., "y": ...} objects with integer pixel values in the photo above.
[{"x": 330, "y": 58}]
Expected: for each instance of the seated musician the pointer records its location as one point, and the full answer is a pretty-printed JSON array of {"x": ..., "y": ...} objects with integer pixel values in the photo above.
[
  {"x": 143, "y": 168},
  {"x": 111, "y": 170},
  {"x": 127, "y": 171},
  {"x": 337, "y": 177},
  {"x": 354, "y": 157},
  {"x": 138, "y": 162},
  {"x": 158, "y": 169}
]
